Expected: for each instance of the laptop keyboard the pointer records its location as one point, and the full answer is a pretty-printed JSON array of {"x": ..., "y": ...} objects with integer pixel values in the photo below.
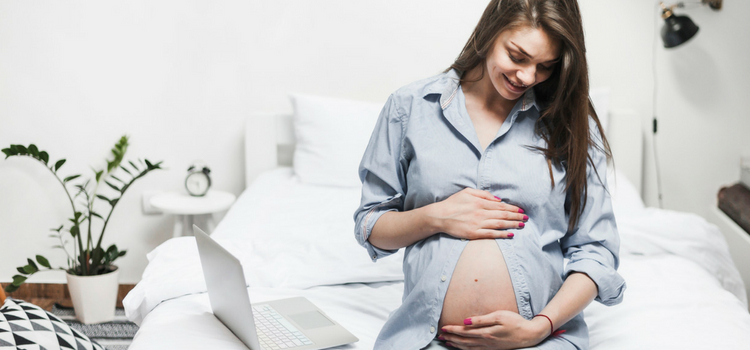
[{"x": 275, "y": 332}]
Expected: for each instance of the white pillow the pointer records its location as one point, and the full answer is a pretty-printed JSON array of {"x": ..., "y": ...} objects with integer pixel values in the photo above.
[
  {"x": 331, "y": 137},
  {"x": 626, "y": 200}
]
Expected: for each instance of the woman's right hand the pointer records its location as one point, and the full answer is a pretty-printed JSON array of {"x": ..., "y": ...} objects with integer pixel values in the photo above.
[{"x": 477, "y": 214}]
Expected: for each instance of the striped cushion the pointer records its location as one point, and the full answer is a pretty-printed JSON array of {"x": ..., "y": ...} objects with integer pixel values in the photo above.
[{"x": 27, "y": 326}]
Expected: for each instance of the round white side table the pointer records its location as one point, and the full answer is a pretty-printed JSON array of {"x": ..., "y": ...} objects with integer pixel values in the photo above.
[{"x": 189, "y": 210}]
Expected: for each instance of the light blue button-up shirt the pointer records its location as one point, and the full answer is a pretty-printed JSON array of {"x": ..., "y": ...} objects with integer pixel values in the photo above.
[{"x": 424, "y": 149}]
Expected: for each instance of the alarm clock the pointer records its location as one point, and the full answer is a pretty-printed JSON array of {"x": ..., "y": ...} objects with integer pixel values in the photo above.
[{"x": 198, "y": 182}]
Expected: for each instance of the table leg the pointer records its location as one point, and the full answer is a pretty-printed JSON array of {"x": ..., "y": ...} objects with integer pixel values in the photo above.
[
  {"x": 210, "y": 224},
  {"x": 177, "y": 231}
]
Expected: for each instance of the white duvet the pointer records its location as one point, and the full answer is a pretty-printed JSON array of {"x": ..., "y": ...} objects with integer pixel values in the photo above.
[{"x": 683, "y": 290}]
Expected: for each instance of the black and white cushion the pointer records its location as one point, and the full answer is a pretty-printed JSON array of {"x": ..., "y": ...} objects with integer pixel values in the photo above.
[{"x": 27, "y": 326}]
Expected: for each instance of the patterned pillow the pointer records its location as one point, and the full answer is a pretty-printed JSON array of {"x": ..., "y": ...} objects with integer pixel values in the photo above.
[{"x": 27, "y": 326}]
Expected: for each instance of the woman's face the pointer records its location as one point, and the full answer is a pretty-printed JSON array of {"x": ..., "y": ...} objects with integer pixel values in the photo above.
[{"x": 520, "y": 59}]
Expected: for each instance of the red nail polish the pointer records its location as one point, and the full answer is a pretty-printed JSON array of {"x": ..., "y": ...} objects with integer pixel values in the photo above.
[
  {"x": 510, "y": 235},
  {"x": 449, "y": 344},
  {"x": 467, "y": 321},
  {"x": 498, "y": 198},
  {"x": 443, "y": 330},
  {"x": 525, "y": 218},
  {"x": 441, "y": 337},
  {"x": 521, "y": 224},
  {"x": 521, "y": 210}
]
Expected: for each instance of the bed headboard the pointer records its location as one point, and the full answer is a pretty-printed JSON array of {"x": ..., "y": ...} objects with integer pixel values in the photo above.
[{"x": 269, "y": 143}]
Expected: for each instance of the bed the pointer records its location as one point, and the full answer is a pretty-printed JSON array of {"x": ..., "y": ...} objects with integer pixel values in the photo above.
[{"x": 295, "y": 238}]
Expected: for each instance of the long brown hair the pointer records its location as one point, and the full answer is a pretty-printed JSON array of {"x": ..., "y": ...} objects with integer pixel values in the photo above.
[{"x": 563, "y": 97}]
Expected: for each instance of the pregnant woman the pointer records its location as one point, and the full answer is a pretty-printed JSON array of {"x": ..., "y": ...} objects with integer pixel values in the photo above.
[{"x": 490, "y": 174}]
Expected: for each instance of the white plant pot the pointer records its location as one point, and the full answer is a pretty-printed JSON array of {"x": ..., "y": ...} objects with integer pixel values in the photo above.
[{"x": 94, "y": 297}]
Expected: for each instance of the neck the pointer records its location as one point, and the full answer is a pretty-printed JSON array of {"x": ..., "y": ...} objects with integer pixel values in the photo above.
[{"x": 484, "y": 92}]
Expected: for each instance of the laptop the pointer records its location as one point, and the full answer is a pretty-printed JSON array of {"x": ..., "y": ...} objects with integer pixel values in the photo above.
[{"x": 293, "y": 323}]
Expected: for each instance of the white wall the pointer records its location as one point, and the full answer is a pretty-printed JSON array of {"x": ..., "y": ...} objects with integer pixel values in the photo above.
[{"x": 180, "y": 77}]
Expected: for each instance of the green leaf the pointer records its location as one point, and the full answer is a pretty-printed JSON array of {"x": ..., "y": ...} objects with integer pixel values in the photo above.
[
  {"x": 99, "y": 175},
  {"x": 114, "y": 201},
  {"x": 97, "y": 215},
  {"x": 43, "y": 261},
  {"x": 21, "y": 270},
  {"x": 102, "y": 197},
  {"x": 72, "y": 177},
  {"x": 8, "y": 152},
  {"x": 44, "y": 156},
  {"x": 18, "y": 279},
  {"x": 57, "y": 229},
  {"x": 122, "y": 253},
  {"x": 11, "y": 288},
  {"x": 126, "y": 170},
  {"x": 28, "y": 269},
  {"x": 131, "y": 164},
  {"x": 117, "y": 178},
  {"x": 77, "y": 215},
  {"x": 33, "y": 264},
  {"x": 22, "y": 149},
  {"x": 33, "y": 150},
  {"x": 149, "y": 165},
  {"x": 111, "y": 185},
  {"x": 74, "y": 231},
  {"x": 59, "y": 164}
]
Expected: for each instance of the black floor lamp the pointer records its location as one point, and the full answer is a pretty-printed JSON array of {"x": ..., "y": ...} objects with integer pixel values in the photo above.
[{"x": 676, "y": 31}]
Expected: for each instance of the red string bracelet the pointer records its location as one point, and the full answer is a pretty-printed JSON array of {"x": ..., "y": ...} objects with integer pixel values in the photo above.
[{"x": 551, "y": 327}]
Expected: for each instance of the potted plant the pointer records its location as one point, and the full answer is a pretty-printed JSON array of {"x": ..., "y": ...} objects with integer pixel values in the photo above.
[{"x": 91, "y": 274}]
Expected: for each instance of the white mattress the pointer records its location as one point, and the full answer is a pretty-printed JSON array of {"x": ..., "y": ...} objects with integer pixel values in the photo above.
[{"x": 683, "y": 292}]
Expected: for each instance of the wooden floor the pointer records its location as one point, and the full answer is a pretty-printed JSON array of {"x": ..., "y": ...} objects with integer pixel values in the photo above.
[{"x": 47, "y": 294}]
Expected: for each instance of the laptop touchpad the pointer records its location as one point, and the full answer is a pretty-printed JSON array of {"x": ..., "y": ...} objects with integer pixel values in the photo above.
[{"x": 310, "y": 320}]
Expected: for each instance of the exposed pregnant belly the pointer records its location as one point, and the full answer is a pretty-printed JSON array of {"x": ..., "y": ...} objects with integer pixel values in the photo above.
[{"x": 480, "y": 284}]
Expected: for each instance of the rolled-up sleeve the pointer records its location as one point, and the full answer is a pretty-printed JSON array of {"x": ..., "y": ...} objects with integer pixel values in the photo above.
[
  {"x": 593, "y": 246},
  {"x": 382, "y": 172}
]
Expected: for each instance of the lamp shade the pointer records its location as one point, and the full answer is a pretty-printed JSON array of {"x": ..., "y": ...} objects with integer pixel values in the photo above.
[{"x": 677, "y": 30}]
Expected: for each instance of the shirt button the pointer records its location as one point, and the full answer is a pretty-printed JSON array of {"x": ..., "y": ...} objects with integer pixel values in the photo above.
[
  {"x": 432, "y": 329},
  {"x": 374, "y": 256},
  {"x": 443, "y": 278}
]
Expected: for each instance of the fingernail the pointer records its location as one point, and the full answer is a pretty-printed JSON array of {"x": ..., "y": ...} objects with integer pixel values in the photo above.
[
  {"x": 441, "y": 337},
  {"x": 498, "y": 198},
  {"x": 467, "y": 321},
  {"x": 525, "y": 218},
  {"x": 521, "y": 210},
  {"x": 521, "y": 224},
  {"x": 448, "y": 343},
  {"x": 510, "y": 235},
  {"x": 443, "y": 330}
]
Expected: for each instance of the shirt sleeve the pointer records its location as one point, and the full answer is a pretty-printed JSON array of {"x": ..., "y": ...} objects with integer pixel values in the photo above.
[
  {"x": 382, "y": 172},
  {"x": 593, "y": 246}
]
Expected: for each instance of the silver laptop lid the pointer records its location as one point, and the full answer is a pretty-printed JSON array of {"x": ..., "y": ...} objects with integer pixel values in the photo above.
[{"x": 227, "y": 289}]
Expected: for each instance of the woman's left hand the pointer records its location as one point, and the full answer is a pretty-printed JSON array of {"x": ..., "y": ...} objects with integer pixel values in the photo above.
[{"x": 497, "y": 330}]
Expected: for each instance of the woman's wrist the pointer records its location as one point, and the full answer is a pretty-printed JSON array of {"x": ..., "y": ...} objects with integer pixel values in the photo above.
[
  {"x": 432, "y": 216},
  {"x": 539, "y": 329}
]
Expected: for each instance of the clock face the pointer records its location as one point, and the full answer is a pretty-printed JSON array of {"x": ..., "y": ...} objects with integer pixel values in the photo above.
[{"x": 197, "y": 184}]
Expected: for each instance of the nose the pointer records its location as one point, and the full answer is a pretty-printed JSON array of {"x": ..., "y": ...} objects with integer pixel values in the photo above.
[{"x": 527, "y": 75}]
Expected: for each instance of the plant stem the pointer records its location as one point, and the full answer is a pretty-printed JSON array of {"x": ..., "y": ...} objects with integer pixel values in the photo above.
[{"x": 72, "y": 205}]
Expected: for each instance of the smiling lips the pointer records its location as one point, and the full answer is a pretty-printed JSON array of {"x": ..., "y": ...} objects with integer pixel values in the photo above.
[{"x": 514, "y": 87}]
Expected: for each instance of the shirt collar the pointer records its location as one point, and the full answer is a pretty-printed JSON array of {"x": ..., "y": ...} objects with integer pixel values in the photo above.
[{"x": 447, "y": 88}]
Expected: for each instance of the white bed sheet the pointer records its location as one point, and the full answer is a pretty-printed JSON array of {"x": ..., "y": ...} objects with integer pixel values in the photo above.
[
  {"x": 682, "y": 288},
  {"x": 671, "y": 303}
]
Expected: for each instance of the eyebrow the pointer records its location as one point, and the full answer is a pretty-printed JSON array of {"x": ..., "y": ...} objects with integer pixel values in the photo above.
[{"x": 531, "y": 57}]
